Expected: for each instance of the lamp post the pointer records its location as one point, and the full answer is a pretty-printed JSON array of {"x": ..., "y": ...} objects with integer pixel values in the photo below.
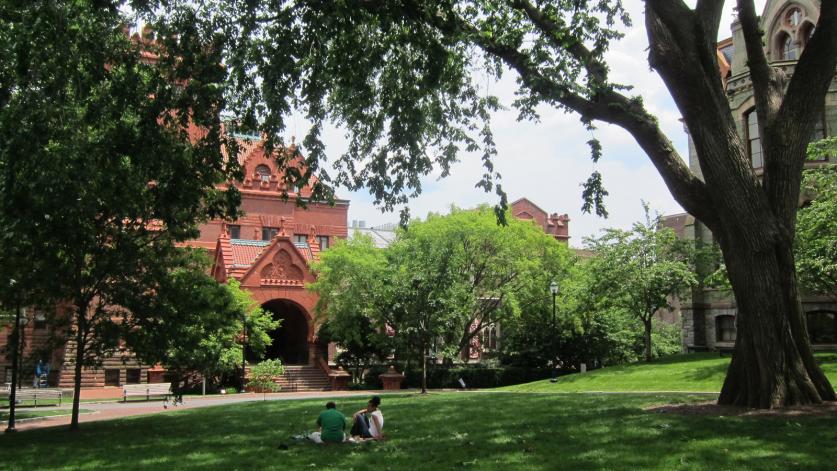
[
  {"x": 244, "y": 353},
  {"x": 15, "y": 364},
  {"x": 553, "y": 288}
]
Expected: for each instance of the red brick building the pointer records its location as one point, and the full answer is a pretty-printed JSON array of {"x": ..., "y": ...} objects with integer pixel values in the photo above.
[
  {"x": 268, "y": 250},
  {"x": 553, "y": 224}
]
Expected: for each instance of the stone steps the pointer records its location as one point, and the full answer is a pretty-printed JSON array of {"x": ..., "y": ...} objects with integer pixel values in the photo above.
[{"x": 303, "y": 378}]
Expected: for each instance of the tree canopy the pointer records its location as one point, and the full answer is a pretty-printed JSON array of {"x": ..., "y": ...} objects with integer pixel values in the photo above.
[
  {"x": 440, "y": 284},
  {"x": 402, "y": 78},
  {"x": 111, "y": 152},
  {"x": 641, "y": 270}
]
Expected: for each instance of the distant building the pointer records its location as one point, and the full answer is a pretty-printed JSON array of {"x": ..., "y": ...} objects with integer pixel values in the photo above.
[{"x": 553, "y": 224}]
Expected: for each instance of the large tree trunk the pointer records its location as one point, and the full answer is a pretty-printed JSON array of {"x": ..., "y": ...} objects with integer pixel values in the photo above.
[
  {"x": 424, "y": 353},
  {"x": 772, "y": 364},
  {"x": 647, "y": 338},
  {"x": 81, "y": 326}
]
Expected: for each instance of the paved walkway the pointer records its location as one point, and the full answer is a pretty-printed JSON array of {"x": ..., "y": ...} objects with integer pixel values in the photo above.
[{"x": 115, "y": 410}]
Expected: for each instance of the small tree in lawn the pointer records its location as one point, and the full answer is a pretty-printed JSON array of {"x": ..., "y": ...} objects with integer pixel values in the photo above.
[
  {"x": 263, "y": 376},
  {"x": 640, "y": 270}
]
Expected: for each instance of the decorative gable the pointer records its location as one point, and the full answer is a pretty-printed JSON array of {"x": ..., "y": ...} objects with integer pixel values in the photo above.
[{"x": 280, "y": 264}]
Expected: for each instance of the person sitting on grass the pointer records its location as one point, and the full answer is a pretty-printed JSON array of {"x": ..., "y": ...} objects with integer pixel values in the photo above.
[
  {"x": 369, "y": 423},
  {"x": 332, "y": 423}
]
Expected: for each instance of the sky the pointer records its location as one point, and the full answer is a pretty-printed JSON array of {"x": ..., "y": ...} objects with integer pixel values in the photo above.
[{"x": 547, "y": 161}]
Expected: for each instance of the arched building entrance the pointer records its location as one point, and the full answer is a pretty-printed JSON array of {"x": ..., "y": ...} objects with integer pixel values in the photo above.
[{"x": 290, "y": 339}]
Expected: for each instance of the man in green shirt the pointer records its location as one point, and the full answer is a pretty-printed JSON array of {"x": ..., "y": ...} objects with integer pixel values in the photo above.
[{"x": 332, "y": 423}]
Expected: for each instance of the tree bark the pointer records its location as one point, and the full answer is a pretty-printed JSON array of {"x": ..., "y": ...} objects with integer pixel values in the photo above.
[
  {"x": 646, "y": 323},
  {"x": 81, "y": 327},
  {"x": 424, "y": 352},
  {"x": 772, "y": 364}
]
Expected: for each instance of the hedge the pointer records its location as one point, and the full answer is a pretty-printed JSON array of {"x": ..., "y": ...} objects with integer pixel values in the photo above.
[{"x": 441, "y": 377}]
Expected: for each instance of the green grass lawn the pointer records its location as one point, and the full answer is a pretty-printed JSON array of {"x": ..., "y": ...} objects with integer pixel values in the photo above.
[
  {"x": 500, "y": 431},
  {"x": 696, "y": 372},
  {"x": 21, "y": 414}
]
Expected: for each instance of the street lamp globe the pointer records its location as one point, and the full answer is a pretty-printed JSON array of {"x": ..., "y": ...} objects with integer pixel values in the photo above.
[{"x": 553, "y": 288}]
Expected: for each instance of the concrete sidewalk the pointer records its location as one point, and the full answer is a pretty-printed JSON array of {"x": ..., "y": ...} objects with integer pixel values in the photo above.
[{"x": 116, "y": 410}]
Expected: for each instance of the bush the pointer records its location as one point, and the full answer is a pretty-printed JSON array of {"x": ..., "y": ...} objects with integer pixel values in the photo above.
[
  {"x": 263, "y": 375},
  {"x": 665, "y": 338}
]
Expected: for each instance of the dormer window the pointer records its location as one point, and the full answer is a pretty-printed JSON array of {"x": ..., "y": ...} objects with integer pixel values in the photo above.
[{"x": 263, "y": 173}]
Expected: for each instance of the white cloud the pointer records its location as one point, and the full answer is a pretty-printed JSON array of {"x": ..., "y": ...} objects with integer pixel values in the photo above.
[{"x": 547, "y": 161}]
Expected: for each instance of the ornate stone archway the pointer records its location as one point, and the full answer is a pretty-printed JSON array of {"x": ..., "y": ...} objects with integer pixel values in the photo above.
[{"x": 291, "y": 339}]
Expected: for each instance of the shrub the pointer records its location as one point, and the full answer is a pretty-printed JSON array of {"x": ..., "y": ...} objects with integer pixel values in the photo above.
[{"x": 264, "y": 374}]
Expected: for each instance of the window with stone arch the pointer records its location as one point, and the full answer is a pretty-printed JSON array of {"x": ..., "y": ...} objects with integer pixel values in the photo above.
[
  {"x": 751, "y": 128},
  {"x": 263, "y": 172},
  {"x": 725, "y": 328},
  {"x": 788, "y": 47},
  {"x": 793, "y": 17}
]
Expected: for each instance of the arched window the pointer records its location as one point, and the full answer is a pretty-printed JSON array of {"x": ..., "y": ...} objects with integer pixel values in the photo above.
[
  {"x": 263, "y": 172},
  {"x": 753, "y": 139},
  {"x": 725, "y": 328},
  {"x": 793, "y": 17},
  {"x": 788, "y": 47},
  {"x": 822, "y": 327}
]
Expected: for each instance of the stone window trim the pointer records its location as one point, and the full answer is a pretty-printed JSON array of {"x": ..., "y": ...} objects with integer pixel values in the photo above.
[
  {"x": 792, "y": 17},
  {"x": 268, "y": 233},
  {"x": 789, "y": 47},
  {"x": 133, "y": 376},
  {"x": 751, "y": 127},
  {"x": 790, "y": 32},
  {"x": 112, "y": 376},
  {"x": 725, "y": 328},
  {"x": 262, "y": 173}
]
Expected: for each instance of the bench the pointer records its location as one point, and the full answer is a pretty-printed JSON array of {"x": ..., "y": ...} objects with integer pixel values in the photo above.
[
  {"x": 38, "y": 395},
  {"x": 147, "y": 390},
  {"x": 725, "y": 350}
]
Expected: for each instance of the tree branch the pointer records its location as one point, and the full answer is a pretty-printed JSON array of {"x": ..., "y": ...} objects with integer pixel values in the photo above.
[
  {"x": 709, "y": 13},
  {"x": 595, "y": 68},
  {"x": 767, "y": 83}
]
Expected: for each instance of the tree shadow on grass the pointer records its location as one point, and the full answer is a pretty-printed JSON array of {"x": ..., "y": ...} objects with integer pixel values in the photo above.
[{"x": 445, "y": 431}]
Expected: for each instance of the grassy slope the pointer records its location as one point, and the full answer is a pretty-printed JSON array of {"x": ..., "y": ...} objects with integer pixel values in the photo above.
[
  {"x": 440, "y": 431},
  {"x": 697, "y": 372}
]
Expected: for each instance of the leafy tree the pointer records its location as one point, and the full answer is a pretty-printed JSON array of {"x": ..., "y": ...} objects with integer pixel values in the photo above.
[
  {"x": 640, "y": 271},
  {"x": 816, "y": 225},
  {"x": 263, "y": 376},
  {"x": 439, "y": 285},
  {"x": 110, "y": 154},
  {"x": 403, "y": 78},
  {"x": 191, "y": 323},
  {"x": 351, "y": 304}
]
